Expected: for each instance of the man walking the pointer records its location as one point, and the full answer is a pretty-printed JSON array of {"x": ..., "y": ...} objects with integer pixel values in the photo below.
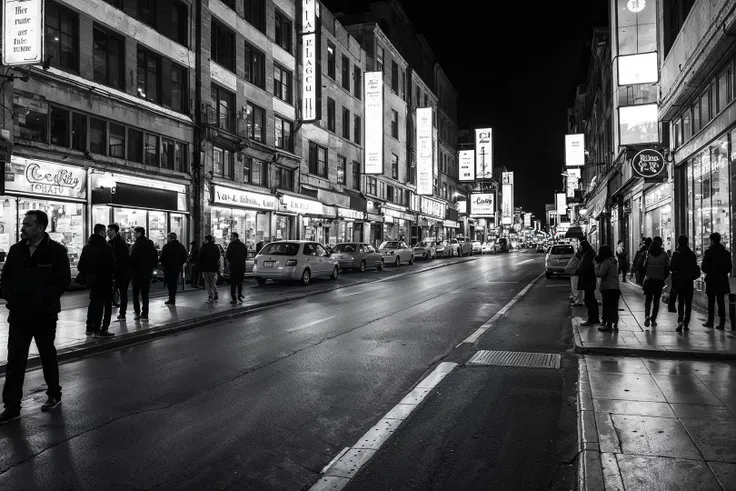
[
  {"x": 209, "y": 264},
  {"x": 236, "y": 254},
  {"x": 623, "y": 260},
  {"x": 143, "y": 260},
  {"x": 685, "y": 270},
  {"x": 656, "y": 270},
  {"x": 587, "y": 282},
  {"x": 173, "y": 257},
  {"x": 194, "y": 263},
  {"x": 97, "y": 263},
  {"x": 123, "y": 266},
  {"x": 716, "y": 266},
  {"x": 34, "y": 277}
]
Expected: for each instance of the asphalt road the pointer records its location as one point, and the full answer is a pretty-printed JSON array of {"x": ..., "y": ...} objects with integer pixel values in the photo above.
[{"x": 266, "y": 401}]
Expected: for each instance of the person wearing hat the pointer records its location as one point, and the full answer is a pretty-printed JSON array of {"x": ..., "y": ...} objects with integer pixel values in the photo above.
[{"x": 193, "y": 261}]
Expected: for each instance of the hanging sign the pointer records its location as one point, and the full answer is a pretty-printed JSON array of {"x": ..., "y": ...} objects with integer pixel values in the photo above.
[
  {"x": 648, "y": 163},
  {"x": 22, "y": 32}
]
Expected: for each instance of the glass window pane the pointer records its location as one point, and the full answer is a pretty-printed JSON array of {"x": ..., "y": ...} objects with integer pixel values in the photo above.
[
  {"x": 135, "y": 145},
  {"x": 151, "y": 150},
  {"x": 59, "y": 126},
  {"x": 97, "y": 136},
  {"x": 117, "y": 141},
  {"x": 720, "y": 216}
]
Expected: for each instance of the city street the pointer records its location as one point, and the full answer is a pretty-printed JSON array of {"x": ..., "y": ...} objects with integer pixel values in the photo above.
[{"x": 268, "y": 400}]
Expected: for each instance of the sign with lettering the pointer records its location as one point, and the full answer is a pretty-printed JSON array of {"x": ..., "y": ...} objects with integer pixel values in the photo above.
[
  {"x": 349, "y": 213},
  {"x": 425, "y": 151},
  {"x": 432, "y": 207},
  {"x": 22, "y": 32},
  {"x": 483, "y": 204},
  {"x": 575, "y": 150},
  {"x": 309, "y": 77},
  {"x": 246, "y": 199},
  {"x": 373, "y": 114},
  {"x": 302, "y": 206},
  {"x": 483, "y": 154},
  {"x": 45, "y": 178},
  {"x": 309, "y": 16},
  {"x": 466, "y": 160},
  {"x": 648, "y": 163}
]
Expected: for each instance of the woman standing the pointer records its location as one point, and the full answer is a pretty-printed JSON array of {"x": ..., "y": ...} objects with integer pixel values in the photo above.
[
  {"x": 607, "y": 270},
  {"x": 587, "y": 283},
  {"x": 657, "y": 267},
  {"x": 623, "y": 260}
]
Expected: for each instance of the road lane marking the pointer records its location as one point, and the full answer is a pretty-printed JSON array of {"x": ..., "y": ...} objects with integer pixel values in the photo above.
[
  {"x": 477, "y": 334},
  {"x": 558, "y": 286},
  {"x": 338, "y": 473},
  {"x": 310, "y": 324},
  {"x": 351, "y": 294},
  {"x": 525, "y": 261}
]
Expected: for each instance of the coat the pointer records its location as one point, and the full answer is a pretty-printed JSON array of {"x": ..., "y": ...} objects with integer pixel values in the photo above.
[
  {"x": 173, "y": 256},
  {"x": 717, "y": 266},
  {"x": 33, "y": 285},
  {"x": 684, "y": 268},
  {"x": 123, "y": 265},
  {"x": 586, "y": 272},
  {"x": 622, "y": 258},
  {"x": 607, "y": 271},
  {"x": 194, "y": 254},
  {"x": 657, "y": 263},
  {"x": 209, "y": 258},
  {"x": 97, "y": 263},
  {"x": 143, "y": 258},
  {"x": 236, "y": 254}
]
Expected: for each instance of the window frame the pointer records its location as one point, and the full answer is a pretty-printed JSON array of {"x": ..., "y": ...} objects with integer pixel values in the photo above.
[
  {"x": 356, "y": 175},
  {"x": 380, "y": 55},
  {"x": 331, "y": 115},
  {"x": 279, "y": 123},
  {"x": 331, "y": 60},
  {"x": 283, "y": 27},
  {"x": 254, "y": 73},
  {"x": 394, "y": 166},
  {"x": 218, "y": 93},
  {"x": 252, "y": 112},
  {"x": 148, "y": 56},
  {"x": 108, "y": 79},
  {"x": 357, "y": 82},
  {"x": 357, "y": 129},
  {"x": 254, "y": 12},
  {"x": 394, "y": 124},
  {"x": 394, "y": 77},
  {"x": 315, "y": 168},
  {"x": 222, "y": 53},
  {"x": 183, "y": 87},
  {"x": 63, "y": 14},
  {"x": 342, "y": 169},
  {"x": 279, "y": 87},
  {"x": 346, "y": 123},
  {"x": 345, "y": 72},
  {"x": 225, "y": 168}
]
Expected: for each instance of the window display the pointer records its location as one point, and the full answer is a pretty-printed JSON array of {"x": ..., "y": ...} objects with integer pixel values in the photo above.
[{"x": 251, "y": 226}]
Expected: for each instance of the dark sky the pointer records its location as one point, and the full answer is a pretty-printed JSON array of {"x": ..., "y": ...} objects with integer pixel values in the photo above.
[{"x": 515, "y": 71}]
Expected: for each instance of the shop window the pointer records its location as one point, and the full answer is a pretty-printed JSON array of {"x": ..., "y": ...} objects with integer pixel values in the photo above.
[
  {"x": 346, "y": 123},
  {"x": 317, "y": 160},
  {"x": 222, "y": 46},
  {"x": 223, "y": 103},
  {"x": 167, "y": 154},
  {"x": 379, "y": 58},
  {"x": 135, "y": 145},
  {"x": 62, "y": 37},
  {"x": 59, "y": 126},
  {"x": 687, "y": 128},
  {"x": 357, "y": 132},
  {"x": 181, "y": 157},
  {"x": 394, "y": 124},
  {"x": 149, "y": 73},
  {"x": 331, "y": 124},
  {"x": 342, "y": 164},
  {"x": 222, "y": 162},
  {"x": 345, "y": 73},
  {"x": 97, "y": 136},
  {"x": 117, "y": 141},
  {"x": 151, "y": 150},
  {"x": 256, "y": 123},
  {"x": 356, "y": 175},
  {"x": 108, "y": 58},
  {"x": 331, "y": 60},
  {"x": 394, "y": 166},
  {"x": 179, "y": 92},
  {"x": 283, "y": 31},
  {"x": 284, "y": 133},
  {"x": 79, "y": 132},
  {"x": 282, "y": 83},
  {"x": 371, "y": 185},
  {"x": 394, "y": 77},
  {"x": 255, "y": 13},
  {"x": 724, "y": 89},
  {"x": 255, "y": 66},
  {"x": 357, "y": 82},
  {"x": 720, "y": 191}
]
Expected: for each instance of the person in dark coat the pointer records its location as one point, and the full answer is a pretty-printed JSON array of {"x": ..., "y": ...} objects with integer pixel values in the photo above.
[
  {"x": 35, "y": 275},
  {"x": 716, "y": 267},
  {"x": 639, "y": 258},
  {"x": 123, "y": 266},
  {"x": 97, "y": 264},
  {"x": 685, "y": 270},
  {"x": 194, "y": 263},
  {"x": 656, "y": 271},
  {"x": 259, "y": 246},
  {"x": 623, "y": 260},
  {"x": 587, "y": 282},
  {"x": 209, "y": 264},
  {"x": 143, "y": 258},
  {"x": 173, "y": 257},
  {"x": 236, "y": 254}
]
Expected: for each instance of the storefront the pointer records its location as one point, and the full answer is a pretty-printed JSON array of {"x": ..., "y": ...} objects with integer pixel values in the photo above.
[
  {"x": 658, "y": 214},
  {"x": 397, "y": 223},
  {"x": 430, "y": 221},
  {"x": 316, "y": 220},
  {"x": 247, "y": 213},
  {"x": 158, "y": 206},
  {"x": 59, "y": 190},
  {"x": 350, "y": 225}
]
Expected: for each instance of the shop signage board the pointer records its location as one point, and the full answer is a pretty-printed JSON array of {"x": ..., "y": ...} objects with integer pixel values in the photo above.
[
  {"x": 301, "y": 205},
  {"x": 484, "y": 153},
  {"x": 45, "y": 178},
  {"x": 561, "y": 203},
  {"x": 573, "y": 181},
  {"x": 309, "y": 76},
  {"x": 575, "y": 150},
  {"x": 648, "y": 163},
  {"x": 507, "y": 198},
  {"x": 638, "y": 125},
  {"x": 432, "y": 207},
  {"x": 247, "y": 199},
  {"x": 349, "y": 213},
  {"x": 482, "y": 204},
  {"x": 309, "y": 16},
  {"x": 466, "y": 161},
  {"x": 425, "y": 152},
  {"x": 23, "y": 32},
  {"x": 373, "y": 127}
]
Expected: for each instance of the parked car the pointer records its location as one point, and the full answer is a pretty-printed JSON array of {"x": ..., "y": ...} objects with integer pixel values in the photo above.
[
  {"x": 425, "y": 250},
  {"x": 557, "y": 258},
  {"x": 477, "y": 248},
  {"x": 461, "y": 248},
  {"x": 295, "y": 260},
  {"x": 396, "y": 252},
  {"x": 442, "y": 248},
  {"x": 354, "y": 255},
  {"x": 501, "y": 245}
]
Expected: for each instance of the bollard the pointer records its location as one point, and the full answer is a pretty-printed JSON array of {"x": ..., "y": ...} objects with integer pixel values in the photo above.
[{"x": 732, "y": 310}]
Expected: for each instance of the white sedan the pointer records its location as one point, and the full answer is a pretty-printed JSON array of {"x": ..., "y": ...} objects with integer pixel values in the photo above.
[{"x": 396, "y": 252}]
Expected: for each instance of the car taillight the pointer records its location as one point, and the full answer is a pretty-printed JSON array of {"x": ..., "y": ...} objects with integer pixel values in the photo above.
[{"x": 291, "y": 262}]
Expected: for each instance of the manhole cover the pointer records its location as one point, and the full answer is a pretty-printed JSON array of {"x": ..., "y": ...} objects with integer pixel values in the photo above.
[{"x": 516, "y": 359}]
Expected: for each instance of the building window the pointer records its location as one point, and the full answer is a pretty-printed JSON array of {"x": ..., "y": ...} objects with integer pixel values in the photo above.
[
  {"x": 357, "y": 82},
  {"x": 342, "y": 164},
  {"x": 724, "y": 89},
  {"x": 403, "y": 85},
  {"x": 149, "y": 70},
  {"x": 151, "y": 150},
  {"x": 255, "y": 66},
  {"x": 394, "y": 77},
  {"x": 317, "y": 160},
  {"x": 177, "y": 27},
  {"x": 394, "y": 166},
  {"x": 346, "y": 123},
  {"x": 687, "y": 129},
  {"x": 59, "y": 126},
  {"x": 167, "y": 154},
  {"x": 371, "y": 185},
  {"x": 696, "y": 117},
  {"x": 97, "y": 136},
  {"x": 283, "y": 31},
  {"x": 107, "y": 58},
  {"x": 256, "y": 123},
  {"x": 356, "y": 175},
  {"x": 222, "y": 49},
  {"x": 179, "y": 92},
  {"x": 676, "y": 129},
  {"x": 255, "y": 172},
  {"x": 379, "y": 58},
  {"x": 117, "y": 141},
  {"x": 390, "y": 194},
  {"x": 444, "y": 190},
  {"x": 394, "y": 124},
  {"x": 331, "y": 60},
  {"x": 356, "y": 129},
  {"x": 283, "y": 178},
  {"x": 284, "y": 133},
  {"x": 62, "y": 37},
  {"x": 705, "y": 115},
  {"x": 135, "y": 145},
  {"x": 223, "y": 105},
  {"x": 255, "y": 13},
  {"x": 181, "y": 157},
  {"x": 143, "y": 10},
  {"x": 345, "y": 73},
  {"x": 331, "y": 125},
  {"x": 222, "y": 163},
  {"x": 282, "y": 83}
]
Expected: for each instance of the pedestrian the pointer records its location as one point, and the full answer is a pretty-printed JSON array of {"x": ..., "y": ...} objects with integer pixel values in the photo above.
[
  {"x": 623, "y": 260},
  {"x": 34, "y": 277},
  {"x": 236, "y": 254},
  {"x": 173, "y": 256},
  {"x": 97, "y": 264},
  {"x": 685, "y": 270},
  {"x": 259, "y": 246},
  {"x": 209, "y": 263},
  {"x": 657, "y": 269},
  {"x": 576, "y": 296},
  {"x": 143, "y": 258},
  {"x": 194, "y": 263},
  {"x": 606, "y": 268},
  {"x": 639, "y": 259},
  {"x": 123, "y": 266},
  {"x": 717, "y": 267},
  {"x": 587, "y": 283}
]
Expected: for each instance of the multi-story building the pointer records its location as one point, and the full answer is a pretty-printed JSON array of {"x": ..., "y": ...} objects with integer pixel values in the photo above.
[{"x": 447, "y": 144}]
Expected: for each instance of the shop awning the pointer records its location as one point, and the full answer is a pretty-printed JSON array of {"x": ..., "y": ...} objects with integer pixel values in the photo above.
[
  {"x": 333, "y": 198},
  {"x": 597, "y": 203},
  {"x": 357, "y": 200},
  {"x": 575, "y": 232}
]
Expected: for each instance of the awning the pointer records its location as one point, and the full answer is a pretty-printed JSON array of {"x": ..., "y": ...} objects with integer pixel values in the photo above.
[
  {"x": 333, "y": 198},
  {"x": 574, "y": 232},
  {"x": 597, "y": 203},
  {"x": 357, "y": 201}
]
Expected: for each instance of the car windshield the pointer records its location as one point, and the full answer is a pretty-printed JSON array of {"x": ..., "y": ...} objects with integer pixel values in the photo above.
[
  {"x": 346, "y": 248},
  {"x": 389, "y": 245},
  {"x": 281, "y": 249},
  {"x": 423, "y": 244},
  {"x": 562, "y": 249}
]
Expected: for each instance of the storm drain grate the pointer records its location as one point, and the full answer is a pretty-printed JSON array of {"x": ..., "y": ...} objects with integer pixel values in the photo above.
[{"x": 516, "y": 359}]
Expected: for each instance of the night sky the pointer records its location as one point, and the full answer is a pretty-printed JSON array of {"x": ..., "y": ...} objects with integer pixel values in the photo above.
[{"x": 515, "y": 72}]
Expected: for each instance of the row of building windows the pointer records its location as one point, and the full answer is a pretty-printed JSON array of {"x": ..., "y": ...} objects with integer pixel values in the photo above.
[
  {"x": 318, "y": 165},
  {"x": 168, "y": 17},
  {"x": 332, "y": 122},
  {"x": 254, "y": 12},
  {"x": 255, "y": 171},
  {"x": 345, "y": 71}
]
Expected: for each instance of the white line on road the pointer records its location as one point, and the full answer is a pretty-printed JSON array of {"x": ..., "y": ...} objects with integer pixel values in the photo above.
[
  {"x": 310, "y": 324},
  {"x": 351, "y": 294},
  {"x": 477, "y": 334},
  {"x": 524, "y": 262}
]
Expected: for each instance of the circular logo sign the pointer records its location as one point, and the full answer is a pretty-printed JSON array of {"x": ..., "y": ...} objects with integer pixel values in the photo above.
[
  {"x": 636, "y": 6},
  {"x": 648, "y": 163}
]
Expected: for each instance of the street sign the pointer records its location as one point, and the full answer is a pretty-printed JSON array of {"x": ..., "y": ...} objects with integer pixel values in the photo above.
[{"x": 648, "y": 163}]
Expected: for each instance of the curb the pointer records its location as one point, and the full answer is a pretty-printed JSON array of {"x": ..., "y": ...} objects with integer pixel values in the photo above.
[
  {"x": 653, "y": 353},
  {"x": 122, "y": 340},
  {"x": 590, "y": 470}
]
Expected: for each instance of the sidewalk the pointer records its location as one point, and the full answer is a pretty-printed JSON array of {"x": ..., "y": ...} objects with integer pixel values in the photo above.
[
  {"x": 635, "y": 339},
  {"x": 656, "y": 424}
]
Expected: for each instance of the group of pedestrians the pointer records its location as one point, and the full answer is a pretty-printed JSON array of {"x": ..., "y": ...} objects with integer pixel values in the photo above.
[{"x": 205, "y": 262}]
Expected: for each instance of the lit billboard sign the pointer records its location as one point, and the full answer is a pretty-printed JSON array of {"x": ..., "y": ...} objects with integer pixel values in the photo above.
[
  {"x": 573, "y": 181},
  {"x": 507, "y": 198},
  {"x": 638, "y": 125},
  {"x": 575, "y": 150},
  {"x": 23, "y": 22},
  {"x": 638, "y": 69},
  {"x": 309, "y": 16},
  {"x": 482, "y": 204},
  {"x": 425, "y": 151},
  {"x": 561, "y": 203},
  {"x": 527, "y": 219},
  {"x": 309, "y": 76},
  {"x": 373, "y": 114},
  {"x": 466, "y": 161},
  {"x": 483, "y": 153}
]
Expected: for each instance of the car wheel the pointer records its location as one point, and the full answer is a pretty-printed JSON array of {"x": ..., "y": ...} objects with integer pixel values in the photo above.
[
  {"x": 548, "y": 275},
  {"x": 335, "y": 272},
  {"x": 411, "y": 260},
  {"x": 380, "y": 265},
  {"x": 306, "y": 276},
  {"x": 362, "y": 267},
  {"x": 398, "y": 261},
  {"x": 260, "y": 281}
]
